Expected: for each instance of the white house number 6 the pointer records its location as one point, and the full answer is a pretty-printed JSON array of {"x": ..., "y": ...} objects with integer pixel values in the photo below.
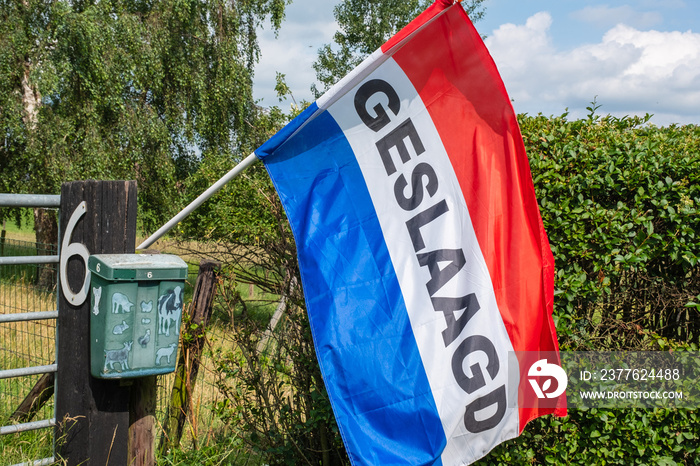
[{"x": 69, "y": 250}]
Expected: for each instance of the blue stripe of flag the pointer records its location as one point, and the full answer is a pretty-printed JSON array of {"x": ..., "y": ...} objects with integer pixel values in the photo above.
[{"x": 364, "y": 342}]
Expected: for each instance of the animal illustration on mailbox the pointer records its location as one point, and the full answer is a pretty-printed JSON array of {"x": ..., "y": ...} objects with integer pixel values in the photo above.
[
  {"x": 169, "y": 310},
  {"x": 165, "y": 353},
  {"x": 137, "y": 302},
  {"x": 121, "y": 303},
  {"x": 143, "y": 340},
  {"x": 138, "y": 327},
  {"x": 97, "y": 294},
  {"x": 119, "y": 329},
  {"x": 120, "y": 356}
]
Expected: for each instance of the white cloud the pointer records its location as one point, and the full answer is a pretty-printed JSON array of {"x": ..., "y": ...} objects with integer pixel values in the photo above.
[{"x": 631, "y": 71}]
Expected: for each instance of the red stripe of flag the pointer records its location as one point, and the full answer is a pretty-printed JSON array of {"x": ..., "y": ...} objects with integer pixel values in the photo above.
[{"x": 468, "y": 102}]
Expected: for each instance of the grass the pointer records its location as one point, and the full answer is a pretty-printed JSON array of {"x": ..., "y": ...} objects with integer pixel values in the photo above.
[
  {"x": 26, "y": 343},
  {"x": 26, "y": 447},
  {"x": 226, "y": 451},
  {"x": 25, "y": 232},
  {"x": 204, "y": 425},
  {"x": 207, "y": 440}
]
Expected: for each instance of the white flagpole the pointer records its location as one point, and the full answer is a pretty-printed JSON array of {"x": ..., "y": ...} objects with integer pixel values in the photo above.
[{"x": 235, "y": 171}]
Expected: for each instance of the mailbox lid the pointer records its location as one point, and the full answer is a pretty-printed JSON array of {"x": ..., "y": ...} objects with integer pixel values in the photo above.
[{"x": 116, "y": 267}]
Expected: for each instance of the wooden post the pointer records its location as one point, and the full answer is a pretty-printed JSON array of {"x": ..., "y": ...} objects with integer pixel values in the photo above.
[
  {"x": 190, "y": 356},
  {"x": 142, "y": 421},
  {"x": 92, "y": 415}
]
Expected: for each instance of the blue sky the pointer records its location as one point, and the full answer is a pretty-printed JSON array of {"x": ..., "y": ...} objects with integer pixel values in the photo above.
[{"x": 632, "y": 56}]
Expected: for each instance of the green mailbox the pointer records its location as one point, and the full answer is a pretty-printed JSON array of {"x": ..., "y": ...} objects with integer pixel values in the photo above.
[{"x": 135, "y": 314}]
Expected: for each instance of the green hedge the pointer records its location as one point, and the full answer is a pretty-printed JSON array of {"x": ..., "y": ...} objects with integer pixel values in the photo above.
[{"x": 619, "y": 198}]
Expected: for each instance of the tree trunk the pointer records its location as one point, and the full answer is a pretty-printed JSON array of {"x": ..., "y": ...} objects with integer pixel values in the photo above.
[
  {"x": 31, "y": 98},
  {"x": 45, "y": 222},
  {"x": 46, "y": 229}
]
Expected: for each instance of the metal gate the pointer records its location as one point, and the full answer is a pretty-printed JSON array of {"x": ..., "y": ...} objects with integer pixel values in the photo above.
[{"x": 29, "y": 200}]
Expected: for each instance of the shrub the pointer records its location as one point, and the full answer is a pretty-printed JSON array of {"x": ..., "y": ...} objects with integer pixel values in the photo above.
[{"x": 619, "y": 200}]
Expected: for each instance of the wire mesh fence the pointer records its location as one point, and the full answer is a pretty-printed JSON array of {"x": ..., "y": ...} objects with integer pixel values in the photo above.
[
  {"x": 25, "y": 288},
  {"x": 214, "y": 427}
]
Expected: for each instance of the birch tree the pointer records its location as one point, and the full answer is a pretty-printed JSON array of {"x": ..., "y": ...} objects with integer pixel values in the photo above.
[{"x": 135, "y": 89}]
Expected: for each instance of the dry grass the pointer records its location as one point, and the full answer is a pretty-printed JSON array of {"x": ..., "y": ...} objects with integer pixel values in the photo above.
[
  {"x": 21, "y": 235},
  {"x": 26, "y": 343}
]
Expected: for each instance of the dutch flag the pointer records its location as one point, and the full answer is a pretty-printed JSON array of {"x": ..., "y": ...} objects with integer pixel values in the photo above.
[{"x": 421, "y": 247}]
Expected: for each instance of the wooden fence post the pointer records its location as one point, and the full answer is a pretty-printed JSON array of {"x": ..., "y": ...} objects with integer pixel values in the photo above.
[
  {"x": 142, "y": 421},
  {"x": 92, "y": 415},
  {"x": 190, "y": 356}
]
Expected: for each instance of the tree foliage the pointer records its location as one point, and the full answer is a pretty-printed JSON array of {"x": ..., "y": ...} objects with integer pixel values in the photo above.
[
  {"x": 125, "y": 89},
  {"x": 364, "y": 25}
]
